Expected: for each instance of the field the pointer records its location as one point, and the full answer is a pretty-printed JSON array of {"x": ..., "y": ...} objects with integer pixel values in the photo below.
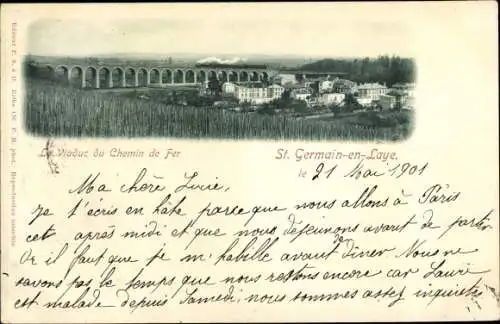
[{"x": 53, "y": 110}]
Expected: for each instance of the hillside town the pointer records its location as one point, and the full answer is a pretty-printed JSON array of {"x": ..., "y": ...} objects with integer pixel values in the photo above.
[
  {"x": 317, "y": 92},
  {"x": 350, "y": 98}
]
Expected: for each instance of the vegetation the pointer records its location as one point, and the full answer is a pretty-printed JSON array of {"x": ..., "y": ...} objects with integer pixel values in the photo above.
[
  {"x": 350, "y": 103},
  {"x": 384, "y": 119},
  {"x": 54, "y": 110},
  {"x": 214, "y": 86},
  {"x": 285, "y": 103},
  {"x": 384, "y": 69},
  {"x": 400, "y": 121}
]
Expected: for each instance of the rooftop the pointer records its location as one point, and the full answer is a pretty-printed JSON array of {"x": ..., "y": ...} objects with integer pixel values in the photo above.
[
  {"x": 403, "y": 85},
  {"x": 297, "y": 71},
  {"x": 257, "y": 85},
  {"x": 372, "y": 86},
  {"x": 346, "y": 82},
  {"x": 318, "y": 79}
]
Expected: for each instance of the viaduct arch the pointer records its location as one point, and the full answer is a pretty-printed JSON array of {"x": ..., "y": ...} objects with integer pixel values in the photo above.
[{"x": 121, "y": 76}]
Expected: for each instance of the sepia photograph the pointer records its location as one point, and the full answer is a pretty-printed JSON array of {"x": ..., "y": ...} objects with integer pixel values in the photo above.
[{"x": 105, "y": 80}]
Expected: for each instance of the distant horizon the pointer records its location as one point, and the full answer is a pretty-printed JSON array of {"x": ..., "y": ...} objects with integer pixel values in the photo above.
[
  {"x": 217, "y": 55},
  {"x": 283, "y": 37}
]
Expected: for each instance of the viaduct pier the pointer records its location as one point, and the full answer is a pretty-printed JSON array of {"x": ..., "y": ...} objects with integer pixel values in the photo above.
[{"x": 112, "y": 73}]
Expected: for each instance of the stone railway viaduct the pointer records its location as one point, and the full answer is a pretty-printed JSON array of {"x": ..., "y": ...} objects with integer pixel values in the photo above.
[{"x": 132, "y": 74}]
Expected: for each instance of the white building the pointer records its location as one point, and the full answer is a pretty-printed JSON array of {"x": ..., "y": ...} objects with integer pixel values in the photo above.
[
  {"x": 409, "y": 103},
  {"x": 372, "y": 90},
  {"x": 331, "y": 98},
  {"x": 404, "y": 95},
  {"x": 256, "y": 94},
  {"x": 325, "y": 85},
  {"x": 364, "y": 101},
  {"x": 407, "y": 88},
  {"x": 301, "y": 94},
  {"x": 405, "y": 100},
  {"x": 287, "y": 78},
  {"x": 387, "y": 102},
  {"x": 344, "y": 86},
  {"x": 309, "y": 84},
  {"x": 228, "y": 87}
]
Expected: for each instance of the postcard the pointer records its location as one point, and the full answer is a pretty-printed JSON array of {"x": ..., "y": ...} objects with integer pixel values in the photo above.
[{"x": 249, "y": 162}]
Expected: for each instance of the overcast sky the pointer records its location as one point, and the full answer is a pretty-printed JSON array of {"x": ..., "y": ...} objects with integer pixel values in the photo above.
[{"x": 278, "y": 36}]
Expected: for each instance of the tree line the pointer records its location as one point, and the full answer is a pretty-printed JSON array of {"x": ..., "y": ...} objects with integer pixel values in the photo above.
[{"x": 384, "y": 69}]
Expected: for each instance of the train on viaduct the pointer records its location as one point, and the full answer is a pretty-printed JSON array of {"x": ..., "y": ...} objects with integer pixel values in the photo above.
[{"x": 99, "y": 74}]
